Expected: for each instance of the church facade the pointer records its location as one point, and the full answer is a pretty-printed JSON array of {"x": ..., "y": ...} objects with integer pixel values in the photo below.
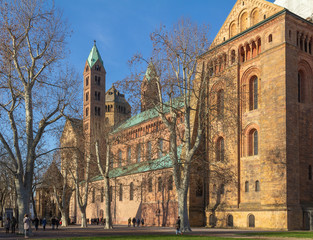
[{"x": 259, "y": 74}]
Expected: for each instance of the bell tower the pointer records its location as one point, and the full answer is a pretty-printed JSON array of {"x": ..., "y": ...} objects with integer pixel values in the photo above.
[{"x": 94, "y": 97}]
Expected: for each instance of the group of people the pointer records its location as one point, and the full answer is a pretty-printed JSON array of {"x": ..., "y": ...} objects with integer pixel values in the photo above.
[
  {"x": 136, "y": 221},
  {"x": 10, "y": 224}
]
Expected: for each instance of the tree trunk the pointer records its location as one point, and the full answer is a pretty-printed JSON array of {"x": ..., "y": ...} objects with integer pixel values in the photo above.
[
  {"x": 64, "y": 218},
  {"x": 183, "y": 210},
  {"x": 22, "y": 203},
  {"x": 84, "y": 220},
  {"x": 108, "y": 222}
]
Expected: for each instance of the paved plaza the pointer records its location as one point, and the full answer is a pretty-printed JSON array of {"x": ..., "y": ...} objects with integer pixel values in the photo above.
[{"x": 120, "y": 230}]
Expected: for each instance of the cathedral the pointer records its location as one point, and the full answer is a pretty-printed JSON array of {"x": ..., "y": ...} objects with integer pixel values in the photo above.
[{"x": 259, "y": 67}]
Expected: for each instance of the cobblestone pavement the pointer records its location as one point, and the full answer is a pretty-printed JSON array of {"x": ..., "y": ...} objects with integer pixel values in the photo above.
[{"x": 94, "y": 230}]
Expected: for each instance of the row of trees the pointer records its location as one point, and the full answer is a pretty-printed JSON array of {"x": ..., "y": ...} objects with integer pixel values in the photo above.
[{"x": 32, "y": 53}]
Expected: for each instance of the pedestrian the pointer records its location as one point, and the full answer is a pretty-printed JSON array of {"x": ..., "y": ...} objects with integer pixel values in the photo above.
[
  {"x": 129, "y": 221},
  {"x": 13, "y": 224},
  {"x": 7, "y": 225},
  {"x": 57, "y": 222},
  {"x": 178, "y": 226},
  {"x": 134, "y": 222},
  {"x": 142, "y": 222},
  {"x": 138, "y": 222},
  {"x": 26, "y": 222},
  {"x": 52, "y": 223},
  {"x": 36, "y": 221},
  {"x": 44, "y": 223}
]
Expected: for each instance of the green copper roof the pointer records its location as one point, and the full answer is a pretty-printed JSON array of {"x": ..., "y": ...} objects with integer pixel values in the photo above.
[
  {"x": 150, "y": 73},
  {"x": 94, "y": 56},
  {"x": 178, "y": 103},
  {"x": 145, "y": 166}
]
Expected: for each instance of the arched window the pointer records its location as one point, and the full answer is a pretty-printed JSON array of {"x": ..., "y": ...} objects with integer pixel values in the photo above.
[
  {"x": 160, "y": 152},
  {"x": 102, "y": 194},
  {"x": 255, "y": 17},
  {"x": 121, "y": 192},
  {"x": 138, "y": 152},
  {"x": 220, "y": 104},
  {"x": 242, "y": 54},
  {"x": 244, "y": 22},
  {"x": 253, "y": 142},
  {"x": 230, "y": 221},
  {"x": 220, "y": 150},
  {"x": 232, "y": 29},
  {"x": 129, "y": 154},
  {"x": 87, "y": 81},
  {"x": 251, "y": 220},
  {"x": 257, "y": 186},
  {"x": 246, "y": 186},
  {"x": 87, "y": 97},
  {"x": 148, "y": 155},
  {"x": 253, "y": 93},
  {"x": 87, "y": 112},
  {"x": 301, "y": 88},
  {"x": 310, "y": 172},
  {"x": 270, "y": 38},
  {"x": 119, "y": 158},
  {"x": 131, "y": 191},
  {"x": 259, "y": 45},
  {"x": 159, "y": 184},
  {"x": 170, "y": 183},
  {"x": 199, "y": 188},
  {"x": 150, "y": 184}
]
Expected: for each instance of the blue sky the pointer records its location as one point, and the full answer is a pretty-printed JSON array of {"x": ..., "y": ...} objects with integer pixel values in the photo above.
[{"x": 122, "y": 27}]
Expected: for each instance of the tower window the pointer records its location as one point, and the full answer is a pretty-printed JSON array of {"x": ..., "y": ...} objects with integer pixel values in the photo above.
[
  {"x": 87, "y": 112},
  {"x": 97, "y": 80},
  {"x": 253, "y": 142},
  {"x": 97, "y": 96},
  {"x": 97, "y": 111},
  {"x": 253, "y": 93},
  {"x": 97, "y": 68},
  {"x": 87, "y": 97},
  {"x": 246, "y": 186},
  {"x": 87, "y": 81}
]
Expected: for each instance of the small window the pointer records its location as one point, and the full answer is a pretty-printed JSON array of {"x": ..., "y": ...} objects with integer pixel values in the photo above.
[
  {"x": 87, "y": 81},
  {"x": 150, "y": 184},
  {"x": 251, "y": 220},
  {"x": 257, "y": 186},
  {"x": 121, "y": 192},
  {"x": 264, "y": 16},
  {"x": 87, "y": 97},
  {"x": 230, "y": 221},
  {"x": 87, "y": 68},
  {"x": 246, "y": 186},
  {"x": 160, "y": 184},
  {"x": 131, "y": 191},
  {"x": 270, "y": 38},
  {"x": 87, "y": 112}
]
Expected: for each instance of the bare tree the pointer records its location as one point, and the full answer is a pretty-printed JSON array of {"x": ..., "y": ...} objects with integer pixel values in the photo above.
[
  {"x": 174, "y": 66},
  {"x": 32, "y": 46}
]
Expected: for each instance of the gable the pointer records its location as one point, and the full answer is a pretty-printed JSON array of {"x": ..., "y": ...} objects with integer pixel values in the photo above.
[{"x": 245, "y": 14}]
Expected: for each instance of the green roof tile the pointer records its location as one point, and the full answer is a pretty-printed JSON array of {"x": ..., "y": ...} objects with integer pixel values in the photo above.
[
  {"x": 94, "y": 56},
  {"x": 141, "y": 167},
  {"x": 147, "y": 115}
]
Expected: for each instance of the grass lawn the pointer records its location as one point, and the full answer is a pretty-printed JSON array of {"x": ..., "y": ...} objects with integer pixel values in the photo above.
[
  {"x": 162, "y": 237},
  {"x": 282, "y": 234}
]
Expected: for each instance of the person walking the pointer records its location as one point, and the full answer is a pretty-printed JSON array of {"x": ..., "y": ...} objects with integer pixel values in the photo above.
[
  {"x": 44, "y": 223},
  {"x": 36, "y": 221},
  {"x": 142, "y": 222},
  {"x": 134, "y": 222},
  {"x": 138, "y": 222},
  {"x": 13, "y": 224},
  {"x": 26, "y": 222},
  {"x": 178, "y": 226},
  {"x": 7, "y": 225},
  {"x": 52, "y": 223},
  {"x": 129, "y": 221}
]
